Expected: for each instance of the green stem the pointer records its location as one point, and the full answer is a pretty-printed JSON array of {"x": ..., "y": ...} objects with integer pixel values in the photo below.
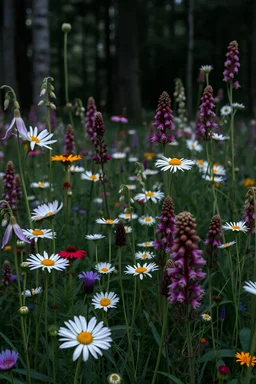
[
  {"x": 190, "y": 353},
  {"x": 53, "y": 360},
  {"x": 46, "y": 317},
  {"x": 11, "y": 375},
  {"x": 54, "y": 295},
  {"x": 210, "y": 308},
  {"x": 109, "y": 251},
  {"x": 77, "y": 374},
  {"x": 165, "y": 317},
  {"x": 25, "y": 349},
  {"x": 17, "y": 269}
]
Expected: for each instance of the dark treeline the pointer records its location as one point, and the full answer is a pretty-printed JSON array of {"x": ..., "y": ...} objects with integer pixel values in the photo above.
[{"x": 124, "y": 52}]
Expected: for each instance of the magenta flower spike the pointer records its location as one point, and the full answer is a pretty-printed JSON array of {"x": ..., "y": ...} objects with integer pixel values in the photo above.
[
  {"x": 69, "y": 146},
  {"x": 90, "y": 117},
  {"x": 249, "y": 209},
  {"x": 213, "y": 239},
  {"x": 9, "y": 187},
  {"x": 18, "y": 123},
  {"x": 232, "y": 63},
  {"x": 166, "y": 227},
  {"x": 206, "y": 122},
  {"x": 163, "y": 121},
  {"x": 101, "y": 155},
  {"x": 186, "y": 272},
  {"x": 13, "y": 227}
]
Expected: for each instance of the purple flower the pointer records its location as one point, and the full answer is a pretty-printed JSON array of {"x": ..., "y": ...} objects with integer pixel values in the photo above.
[
  {"x": 232, "y": 63},
  {"x": 206, "y": 117},
  {"x": 166, "y": 227},
  {"x": 8, "y": 359},
  {"x": 249, "y": 209},
  {"x": 89, "y": 120},
  {"x": 101, "y": 155},
  {"x": 13, "y": 227},
  {"x": 213, "y": 239},
  {"x": 9, "y": 187},
  {"x": 69, "y": 146},
  {"x": 6, "y": 273},
  {"x": 18, "y": 123},
  {"x": 163, "y": 121},
  {"x": 119, "y": 119},
  {"x": 185, "y": 274},
  {"x": 222, "y": 314},
  {"x": 89, "y": 280}
]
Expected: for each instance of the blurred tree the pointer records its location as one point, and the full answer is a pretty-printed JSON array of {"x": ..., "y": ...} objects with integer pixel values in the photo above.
[
  {"x": 41, "y": 47},
  {"x": 253, "y": 61},
  {"x": 190, "y": 58}
]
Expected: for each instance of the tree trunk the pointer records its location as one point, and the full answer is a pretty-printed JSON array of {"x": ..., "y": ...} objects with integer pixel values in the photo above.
[
  {"x": 190, "y": 58},
  {"x": 9, "y": 61},
  {"x": 41, "y": 48},
  {"x": 128, "y": 83},
  {"x": 253, "y": 61}
]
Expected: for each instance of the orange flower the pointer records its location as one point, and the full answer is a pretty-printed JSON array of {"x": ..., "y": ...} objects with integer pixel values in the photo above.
[
  {"x": 245, "y": 358},
  {"x": 66, "y": 158},
  {"x": 248, "y": 182},
  {"x": 149, "y": 155}
]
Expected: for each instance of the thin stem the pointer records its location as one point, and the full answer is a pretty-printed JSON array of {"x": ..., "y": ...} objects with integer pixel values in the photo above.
[
  {"x": 46, "y": 317},
  {"x": 109, "y": 251},
  {"x": 190, "y": 353},
  {"x": 25, "y": 349},
  {"x": 77, "y": 374},
  {"x": 17, "y": 269},
  {"x": 53, "y": 360}
]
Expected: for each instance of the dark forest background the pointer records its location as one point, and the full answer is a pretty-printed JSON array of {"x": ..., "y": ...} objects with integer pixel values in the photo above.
[{"x": 125, "y": 52}]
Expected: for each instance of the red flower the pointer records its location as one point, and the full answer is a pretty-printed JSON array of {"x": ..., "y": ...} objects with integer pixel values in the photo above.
[
  {"x": 224, "y": 369},
  {"x": 72, "y": 253}
]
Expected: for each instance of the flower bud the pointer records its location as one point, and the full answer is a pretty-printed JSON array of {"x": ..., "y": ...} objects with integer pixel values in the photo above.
[
  {"x": 6, "y": 102},
  {"x": 66, "y": 27},
  {"x": 24, "y": 266},
  {"x": 23, "y": 311},
  {"x": 20, "y": 244},
  {"x": 53, "y": 330},
  {"x": 114, "y": 378},
  {"x": 53, "y": 106},
  {"x": 41, "y": 102},
  {"x": 43, "y": 92},
  {"x": 16, "y": 104},
  {"x": 52, "y": 94},
  {"x": 223, "y": 372}
]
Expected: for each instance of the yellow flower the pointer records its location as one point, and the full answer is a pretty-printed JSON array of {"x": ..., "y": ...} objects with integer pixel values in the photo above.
[
  {"x": 149, "y": 155},
  {"x": 66, "y": 158},
  {"x": 245, "y": 358},
  {"x": 248, "y": 182},
  {"x": 8, "y": 248}
]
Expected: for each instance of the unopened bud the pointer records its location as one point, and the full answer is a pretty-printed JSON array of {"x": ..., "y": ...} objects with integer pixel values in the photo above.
[
  {"x": 114, "y": 378},
  {"x": 21, "y": 244},
  {"x": 70, "y": 193},
  {"x": 69, "y": 105},
  {"x": 53, "y": 106},
  {"x": 66, "y": 27},
  {"x": 23, "y": 311},
  {"x": 53, "y": 330},
  {"x": 41, "y": 102},
  {"x": 52, "y": 94},
  {"x": 24, "y": 266},
  {"x": 16, "y": 104},
  {"x": 6, "y": 102},
  {"x": 4, "y": 222},
  {"x": 43, "y": 91}
]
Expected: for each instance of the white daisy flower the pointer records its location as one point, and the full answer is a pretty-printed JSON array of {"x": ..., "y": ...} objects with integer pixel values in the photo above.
[
  {"x": 131, "y": 187},
  {"x": 217, "y": 137},
  {"x": 193, "y": 145},
  {"x": 236, "y": 226},
  {"x": 114, "y": 378},
  {"x": 76, "y": 169},
  {"x": 174, "y": 164},
  {"x": 144, "y": 255},
  {"x": 88, "y": 175},
  {"x": 146, "y": 244},
  {"x": 213, "y": 178},
  {"x": 107, "y": 221},
  {"x": 46, "y": 262},
  {"x": 226, "y": 245},
  {"x": 98, "y": 200},
  {"x": 151, "y": 172},
  {"x": 38, "y": 234},
  {"x": 154, "y": 196},
  {"x": 133, "y": 178},
  {"x": 218, "y": 170},
  {"x": 226, "y": 110},
  {"x": 32, "y": 292},
  {"x": 206, "y": 68},
  {"x": 141, "y": 270},
  {"x": 105, "y": 300},
  {"x": 118, "y": 155},
  {"x": 250, "y": 287},
  {"x": 104, "y": 268},
  {"x": 45, "y": 211},
  {"x": 202, "y": 164},
  {"x": 206, "y": 317},
  {"x": 128, "y": 216},
  {"x": 88, "y": 338},
  {"x": 132, "y": 131},
  {"x": 42, "y": 139},
  {"x": 173, "y": 143},
  {"x": 147, "y": 220},
  {"x": 40, "y": 184},
  {"x": 133, "y": 159},
  {"x": 238, "y": 106},
  {"x": 95, "y": 237},
  {"x": 127, "y": 229}
]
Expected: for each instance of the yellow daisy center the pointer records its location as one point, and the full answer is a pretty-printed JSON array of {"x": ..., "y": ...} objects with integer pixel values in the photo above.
[
  {"x": 49, "y": 213},
  {"x": 85, "y": 338},
  {"x": 37, "y": 232},
  {"x": 48, "y": 262},
  {"x": 226, "y": 244},
  {"x": 104, "y": 269},
  {"x": 144, "y": 255},
  {"x": 105, "y": 302},
  {"x": 32, "y": 291},
  {"x": 150, "y": 194},
  {"x": 147, "y": 243},
  {"x": 114, "y": 377},
  {"x": 35, "y": 139},
  {"x": 140, "y": 270},
  {"x": 236, "y": 227},
  {"x": 174, "y": 161},
  {"x": 200, "y": 162},
  {"x": 193, "y": 146},
  {"x": 93, "y": 177},
  {"x": 148, "y": 219},
  {"x": 127, "y": 215},
  {"x": 41, "y": 185},
  {"x": 206, "y": 316},
  {"x": 109, "y": 221}
]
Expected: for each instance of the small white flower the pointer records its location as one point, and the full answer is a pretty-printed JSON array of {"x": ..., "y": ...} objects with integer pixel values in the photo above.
[
  {"x": 206, "y": 317},
  {"x": 107, "y": 221},
  {"x": 236, "y": 226},
  {"x": 215, "y": 136},
  {"x": 250, "y": 287},
  {"x": 45, "y": 211},
  {"x": 206, "y": 68},
  {"x": 114, "y": 378},
  {"x": 174, "y": 164},
  {"x": 146, "y": 244},
  {"x": 88, "y": 338},
  {"x": 154, "y": 196},
  {"x": 132, "y": 131},
  {"x": 118, "y": 155},
  {"x": 88, "y": 175},
  {"x": 193, "y": 145},
  {"x": 127, "y": 229},
  {"x": 151, "y": 172},
  {"x": 131, "y": 187},
  {"x": 217, "y": 170},
  {"x": 133, "y": 159},
  {"x": 40, "y": 184},
  {"x": 238, "y": 106},
  {"x": 141, "y": 270},
  {"x": 95, "y": 237},
  {"x": 226, "y": 110},
  {"x": 32, "y": 292},
  {"x": 46, "y": 262},
  {"x": 38, "y": 234},
  {"x": 105, "y": 300},
  {"x": 213, "y": 178},
  {"x": 226, "y": 245},
  {"x": 147, "y": 220},
  {"x": 104, "y": 268},
  {"x": 76, "y": 169},
  {"x": 42, "y": 139},
  {"x": 144, "y": 255},
  {"x": 128, "y": 216},
  {"x": 202, "y": 164}
]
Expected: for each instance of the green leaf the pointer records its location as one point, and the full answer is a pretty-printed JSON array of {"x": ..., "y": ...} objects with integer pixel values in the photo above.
[
  {"x": 8, "y": 378},
  {"x": 154, "y": 331},
  {"x": 244, "y": 336},
  {"x": 173, "y": 378},
  {"x": 209, "y": 356},
  {"x": 34, "y": 375}
]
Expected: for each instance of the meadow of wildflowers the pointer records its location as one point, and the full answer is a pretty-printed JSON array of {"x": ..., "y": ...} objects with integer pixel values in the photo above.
[{"x": 129, "y": 253}]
